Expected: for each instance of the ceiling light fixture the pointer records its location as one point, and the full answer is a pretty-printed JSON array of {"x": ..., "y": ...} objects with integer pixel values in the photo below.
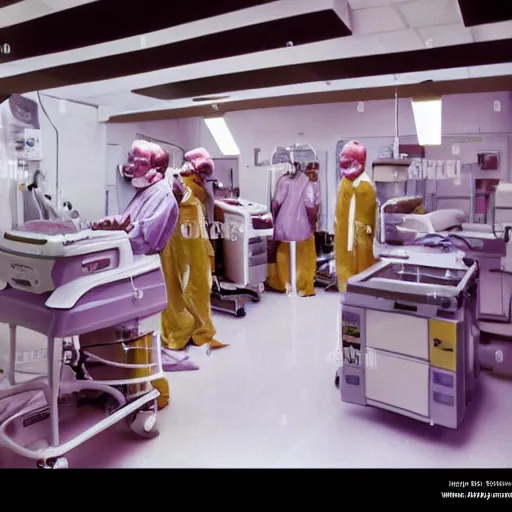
[
  {"x": 428, "y": 118},
  {"x": 222, "y": 135}
]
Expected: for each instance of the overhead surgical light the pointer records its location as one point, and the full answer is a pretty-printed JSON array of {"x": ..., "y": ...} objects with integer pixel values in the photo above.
[
  {"x": 222, "y": 135},
  {"x": 428, "y": 116}
]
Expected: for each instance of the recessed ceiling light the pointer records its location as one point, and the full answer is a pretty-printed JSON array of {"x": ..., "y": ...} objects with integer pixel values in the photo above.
[{"x": 209, "y": 98}]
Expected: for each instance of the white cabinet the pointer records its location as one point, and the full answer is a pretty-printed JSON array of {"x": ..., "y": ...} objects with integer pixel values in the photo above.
[
  {"x": 397, "y": 333},
  {"x": 398, "y": 381}
]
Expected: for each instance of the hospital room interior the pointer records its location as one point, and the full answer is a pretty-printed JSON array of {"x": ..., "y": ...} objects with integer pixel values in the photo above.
[{"x": 229, "y": 239}]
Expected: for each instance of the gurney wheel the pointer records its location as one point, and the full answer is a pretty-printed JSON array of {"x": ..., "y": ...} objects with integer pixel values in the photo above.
[
  {"x": 143, "y": 423},
  {"x": 240, "y": 313},
  {"x": 57, "y": 463}
]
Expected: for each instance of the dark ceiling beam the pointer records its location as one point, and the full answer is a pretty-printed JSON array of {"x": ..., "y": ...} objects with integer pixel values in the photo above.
[
  {"x": 481, "y": 12},
  {"x": 6, "y": 3},
  {"x": 466, "y": 55},
  {"x": 241, "y": 41},
  {"x": 103, "y": 21},
  {"x": 469, "y": 86}
]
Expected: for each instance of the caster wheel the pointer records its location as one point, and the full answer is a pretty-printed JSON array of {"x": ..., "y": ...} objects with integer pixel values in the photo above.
[
  {"x": 57, "y": 463},
  {"x": 240, "y": 313},
  {"x": 337, "y": 380},
  {"x": 143, "y": 423}
]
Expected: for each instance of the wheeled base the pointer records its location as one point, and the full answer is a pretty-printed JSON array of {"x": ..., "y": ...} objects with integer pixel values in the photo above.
[
  {"x": 233, "y": 300},
  {"x": 328, "y": 282},
  {"x": 231, "y": 305},
  {"x": 140, "y": 416},
  {"x": 58, "y": 463},
  {"x": 34, "y": 432}
]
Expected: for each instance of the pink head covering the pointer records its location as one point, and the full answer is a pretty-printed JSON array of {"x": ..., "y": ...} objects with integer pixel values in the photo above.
[
  {"x": 147, "y": 163},
  {"x": 352, "y": 160},
  {"x": 201, "y": 163}
]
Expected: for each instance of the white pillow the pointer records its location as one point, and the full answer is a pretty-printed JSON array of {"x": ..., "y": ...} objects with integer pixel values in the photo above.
[{"x": 446, "y": 219}]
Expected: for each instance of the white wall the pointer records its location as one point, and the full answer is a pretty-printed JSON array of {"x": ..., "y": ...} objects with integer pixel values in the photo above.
[{"x": 323, "y": 125}]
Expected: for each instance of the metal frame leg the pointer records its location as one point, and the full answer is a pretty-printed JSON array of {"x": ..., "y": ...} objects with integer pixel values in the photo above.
[
  {"x": 54, "y": 370},
  {"x": 12, "y": 355}
]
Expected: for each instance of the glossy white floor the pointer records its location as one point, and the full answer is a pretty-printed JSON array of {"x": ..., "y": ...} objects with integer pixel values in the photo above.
[{"x": 269, "y": 400}]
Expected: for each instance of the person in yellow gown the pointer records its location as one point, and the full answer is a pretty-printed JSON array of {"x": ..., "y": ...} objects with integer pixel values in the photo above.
[
  {"x": 187, "y": 261},
  {"x": 295, "y": 209},
  {"x": 355, "y": 217}
]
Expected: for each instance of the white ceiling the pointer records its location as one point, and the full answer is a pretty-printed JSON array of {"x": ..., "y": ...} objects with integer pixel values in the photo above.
[
  {"x": 32, "y": 9},
  {"x": 379, "y": 27}
]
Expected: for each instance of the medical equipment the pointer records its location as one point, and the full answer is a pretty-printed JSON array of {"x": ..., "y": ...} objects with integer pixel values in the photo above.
[
  {"x": 390, "y": 177},
  {"x": 481, "y": 230},
  {"x": 491, "y": 247},
  {"x": 409, "y": 340},
  {"x": 325, "y": 264},
  {"x": 491, "y": 251},
  {"x": 20, "y": 117},
  {"x": 244, "y": 230},
  {"x": 87, "y": 293},
  {"x": 20, "y": 154}
]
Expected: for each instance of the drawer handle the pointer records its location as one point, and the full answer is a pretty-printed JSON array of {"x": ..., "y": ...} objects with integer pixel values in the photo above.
[{"x": 437, "y": 342}]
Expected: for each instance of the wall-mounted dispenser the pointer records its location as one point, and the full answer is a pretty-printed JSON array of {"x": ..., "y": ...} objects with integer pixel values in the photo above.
[{"x": 489, "y": 161}]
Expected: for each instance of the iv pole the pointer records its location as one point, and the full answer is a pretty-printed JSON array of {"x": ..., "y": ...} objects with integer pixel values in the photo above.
[
  {"x": 292, "y": 292},
  {"x": 293, "y": 270}
]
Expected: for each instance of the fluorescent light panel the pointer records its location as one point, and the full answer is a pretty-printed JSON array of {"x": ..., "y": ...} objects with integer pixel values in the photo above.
[
  {"x": 428, "y": 114},
  {"x": 222, "y": 135}
]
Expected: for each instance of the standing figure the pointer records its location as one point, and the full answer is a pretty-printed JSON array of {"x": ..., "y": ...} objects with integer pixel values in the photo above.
[
  {"x": 356, "y": 215},
  {"x": 151, "y": 216},
  {"x": 195, "y": 173},
  {"x": 187, "y": 260},
  {"x": 295, "y": 208}
]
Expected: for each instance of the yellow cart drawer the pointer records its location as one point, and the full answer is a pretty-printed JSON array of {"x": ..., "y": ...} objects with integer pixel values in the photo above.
[{"x": 443, "y": 344}]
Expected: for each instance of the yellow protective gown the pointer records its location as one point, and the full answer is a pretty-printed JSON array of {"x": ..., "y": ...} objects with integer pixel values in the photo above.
[
  {"x": 354, "y": 231},
  {"x": 279, "y": 272},
  {"x": 201, "y": 194},
  {"x": 186, "y": 264}
]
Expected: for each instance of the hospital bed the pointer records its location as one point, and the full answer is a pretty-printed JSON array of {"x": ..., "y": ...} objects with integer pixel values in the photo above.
[{"x": 86, "y": 293}]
